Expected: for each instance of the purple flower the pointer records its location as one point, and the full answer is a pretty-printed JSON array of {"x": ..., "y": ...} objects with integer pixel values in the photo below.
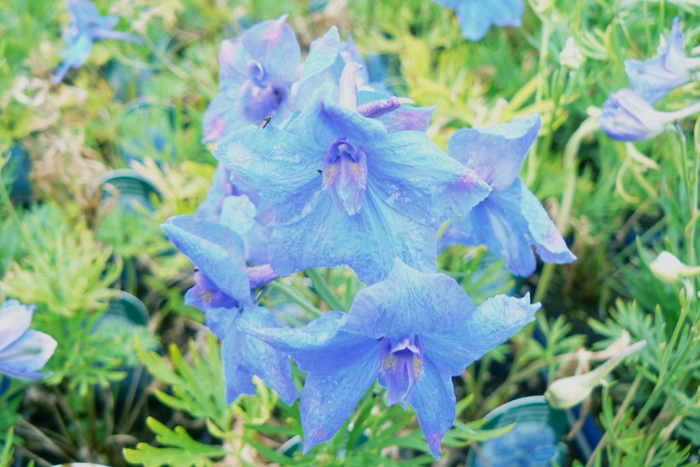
[
  {"x": 412, "y": 332},
  {"x": 511, "y": 220},
  {"x": 243, "y": 211},
  {"x": 477, "y": 16},
  {"x": 22, "y": 352},
  {"x": 222, "y": 290},
  {"x": 627, "y": 116},
  {"x": 655, "y": 77},
  {"x": 257, "y": 73},
  {"x": 345, "y": 191},
  {"x": 86, "y": 26}
]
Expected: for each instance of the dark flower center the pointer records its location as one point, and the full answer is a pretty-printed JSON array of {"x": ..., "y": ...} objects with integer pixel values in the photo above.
[
  {"x": 345, "y": 176},
  {"x": 402, "y": 366}
]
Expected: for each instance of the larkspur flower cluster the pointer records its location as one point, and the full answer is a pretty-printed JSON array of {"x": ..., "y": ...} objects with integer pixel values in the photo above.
[
  {"x": 629, "y": 114},
  {"x": 319, "y": 167}
]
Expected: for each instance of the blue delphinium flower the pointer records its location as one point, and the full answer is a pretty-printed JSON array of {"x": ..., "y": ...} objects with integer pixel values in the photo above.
[
  {"x": 22, "y": 352},
  {"x": 86, "y": 26},
  {"x": 413, "y": 332},
  {"x": 528, "y": 444},
  {"x": 345, "y": 191},
  {"x": 627, "y": 116},
  {"x": 655, "y": 77},
  {"x": 256, "y": 76},
  {"x": 477, "y": 16},
  {"x": 223, "y": 285},
  {"x": 511, "y": 220},
  {"x": 243, "y": 211}
]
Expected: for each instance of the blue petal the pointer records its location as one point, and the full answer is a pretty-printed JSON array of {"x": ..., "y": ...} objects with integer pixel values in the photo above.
[
  {"x": 15, "y": 319},
  {"x": 404, "y": 118},
  {"x": 476, "y": 16},
  {"x": 418, "y": 179},
  {"x": 330, "y": 398},
  {"x": 222, "y": 118},
  {"x": 28, "y": 354},
  {"x": 655, "y": 77},
  {"x": 245, "y": 355},
  {"x": 238, "y": 214},
  {"x": 274, "y": 44},
  {"x": 544, "y": 234},
  {"x": 408, "y": 303},
  {"x": 210, "y": 208},
  {"x": 626, "y": 116},
  {"x": 321, "y": 346},
  {"x": 434, "y": 401},
  {"x": 279, "y": 166},
  {"x": 496, "y": 153},
  {"x": 324, "y": 64},
  {"x": 492, "y": 323},
  {"x": 368, "y": 241},
  {"x": 324, "y": 121},
  {"x": 216, "y": 250}
]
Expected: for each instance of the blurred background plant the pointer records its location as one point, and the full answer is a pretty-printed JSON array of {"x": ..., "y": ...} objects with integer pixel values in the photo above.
[{"x": 141, "y": 371}]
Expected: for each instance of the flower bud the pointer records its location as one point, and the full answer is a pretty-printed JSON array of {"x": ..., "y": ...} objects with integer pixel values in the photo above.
[
  {"x": 565, "y": 393},
  {"x": 571, "y": 57},
  {"x": 667, "y": 268}
]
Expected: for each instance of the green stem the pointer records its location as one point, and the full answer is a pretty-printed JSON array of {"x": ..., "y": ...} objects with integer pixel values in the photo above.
[
  {"x": 544, "y": 48},
  {"x": 324, "y": 290},
  {"x": 296, "y": 297},
  {"x": 587, "y": 127}
]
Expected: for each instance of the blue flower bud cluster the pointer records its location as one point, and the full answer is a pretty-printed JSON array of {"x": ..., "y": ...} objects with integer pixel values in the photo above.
[{"x": 319, "y": 167}]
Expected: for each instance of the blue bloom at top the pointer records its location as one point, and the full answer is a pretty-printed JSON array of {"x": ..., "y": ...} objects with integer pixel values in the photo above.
[
  {"x": 528, "y": 444},
  {"x": 22, "y": 352},
  {"x": 86, "y": 26},
  {"x": 626, "y": 116},
  {"x": 511, "y": 220},
  {"x": 477, "y": 16},
  {"x": 222, "y": 290},
  {"x": 655, "y": 77},
  {"x": 413, "y": 332},
  {"x": 347, "y": 192},
  {"x": 243, "y": 211},
  {"x": 256, "y": 76}
]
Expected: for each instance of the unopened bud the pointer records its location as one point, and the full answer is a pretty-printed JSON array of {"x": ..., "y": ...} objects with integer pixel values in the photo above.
[
  {"x": 567, "y": 392},
  {"x": 667, "y": 268},
  {"x": 571, "y": 57}
]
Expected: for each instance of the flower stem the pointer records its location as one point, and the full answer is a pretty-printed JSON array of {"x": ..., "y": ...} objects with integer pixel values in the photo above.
[{"x": 324, "y": 290}]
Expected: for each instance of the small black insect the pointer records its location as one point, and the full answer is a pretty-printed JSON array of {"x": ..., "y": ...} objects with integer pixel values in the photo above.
[
  {"x": 264, "y": 123},
  {"x": 319, "y": 171}
]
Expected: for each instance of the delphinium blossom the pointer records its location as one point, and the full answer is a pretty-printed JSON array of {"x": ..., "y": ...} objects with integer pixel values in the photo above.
[
  {"x": 23, "y": 352},
  {"x": 511, "y": 220},
  {"x": 347, "y": 192},
  {"x": 477, "y": 16},
  {"x": 256, "y": 76},
  {"x": 223, "y": 285},
  {"x": 86, "y": 26},
  {"x": 626, "y": 116},
  {"x": 243, "y": 211},
  {"x": 655, "y": 77},
  {"x": 413, "y": 332}
]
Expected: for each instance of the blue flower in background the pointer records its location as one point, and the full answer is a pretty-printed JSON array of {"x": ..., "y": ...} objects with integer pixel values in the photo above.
[
  {"x": 325, "y": 63},
  {"x": 655, "y": 77},
  {"x": 511, "y": 220},
  {"x": 86, "y": 26},
  {"x": 243, "y": 211},
  {"x": 528, "y": 444},
  {"x": 413, "y": 332},
  {"x": 256, "y": 76},
  {"x": 223, "y": 291},
  {"x": 347, "y": 192},
  {"x": 477, "y": 16},
  {"x": 22, "y": 352},
  {"x": 626, "y": 116}
]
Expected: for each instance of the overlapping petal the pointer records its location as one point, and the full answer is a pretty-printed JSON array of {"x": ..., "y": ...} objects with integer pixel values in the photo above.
[
  {"x": 15, "y": 319},
  {"x": 28, "y": 354},
  {"x": 477, "y": 16}
]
